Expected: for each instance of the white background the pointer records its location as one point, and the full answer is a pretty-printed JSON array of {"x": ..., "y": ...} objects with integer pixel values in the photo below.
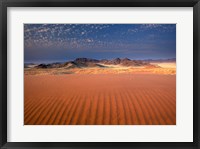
[{"x": 181, "y": 132}]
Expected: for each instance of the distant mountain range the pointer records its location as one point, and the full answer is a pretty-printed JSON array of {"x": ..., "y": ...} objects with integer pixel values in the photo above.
[
  {"x": 160, "y": 60},
  {"x": 88, "y": 62}
]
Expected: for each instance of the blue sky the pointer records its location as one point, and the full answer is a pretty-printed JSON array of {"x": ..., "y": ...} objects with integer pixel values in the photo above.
[{"x": 62, "y": 42}]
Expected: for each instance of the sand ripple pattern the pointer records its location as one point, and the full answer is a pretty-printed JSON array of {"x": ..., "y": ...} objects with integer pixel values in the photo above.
[{"x": 78, "y": 99}]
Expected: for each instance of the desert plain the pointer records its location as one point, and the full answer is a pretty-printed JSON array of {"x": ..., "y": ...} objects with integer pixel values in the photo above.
[{"x": 90, "y": 92}]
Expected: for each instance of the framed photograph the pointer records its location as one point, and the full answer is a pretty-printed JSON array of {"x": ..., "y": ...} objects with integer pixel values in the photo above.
[{"x": 91, "y": 74}]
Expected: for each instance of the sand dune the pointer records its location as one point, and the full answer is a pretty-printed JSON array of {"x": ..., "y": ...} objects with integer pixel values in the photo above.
[
  {"x": 165, "y": 64},
  {"x": 111, "y": 99}
]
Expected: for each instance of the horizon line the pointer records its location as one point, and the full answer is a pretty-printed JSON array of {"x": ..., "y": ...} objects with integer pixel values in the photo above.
[{"x": 60, "y": 61}]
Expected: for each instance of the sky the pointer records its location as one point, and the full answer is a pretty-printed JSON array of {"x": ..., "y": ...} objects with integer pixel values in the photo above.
[{"x": 63, "y": 42}]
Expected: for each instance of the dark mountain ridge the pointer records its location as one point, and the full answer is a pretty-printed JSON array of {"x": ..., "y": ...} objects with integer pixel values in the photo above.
[{"x": 88, "y": 62}]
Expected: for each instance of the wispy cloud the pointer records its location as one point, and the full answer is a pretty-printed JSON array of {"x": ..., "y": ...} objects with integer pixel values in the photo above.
[{"x": 101, "y": 38}]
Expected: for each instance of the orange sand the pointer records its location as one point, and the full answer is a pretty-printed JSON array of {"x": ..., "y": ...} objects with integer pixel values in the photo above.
[{"x": 101, "y": 99}]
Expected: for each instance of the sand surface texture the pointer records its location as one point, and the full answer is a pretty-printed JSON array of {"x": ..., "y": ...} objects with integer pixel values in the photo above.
[{"x": 100, "y": 99}]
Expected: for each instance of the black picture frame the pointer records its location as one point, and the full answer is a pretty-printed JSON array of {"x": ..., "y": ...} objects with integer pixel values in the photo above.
[{"x": 4, "y": 4}]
